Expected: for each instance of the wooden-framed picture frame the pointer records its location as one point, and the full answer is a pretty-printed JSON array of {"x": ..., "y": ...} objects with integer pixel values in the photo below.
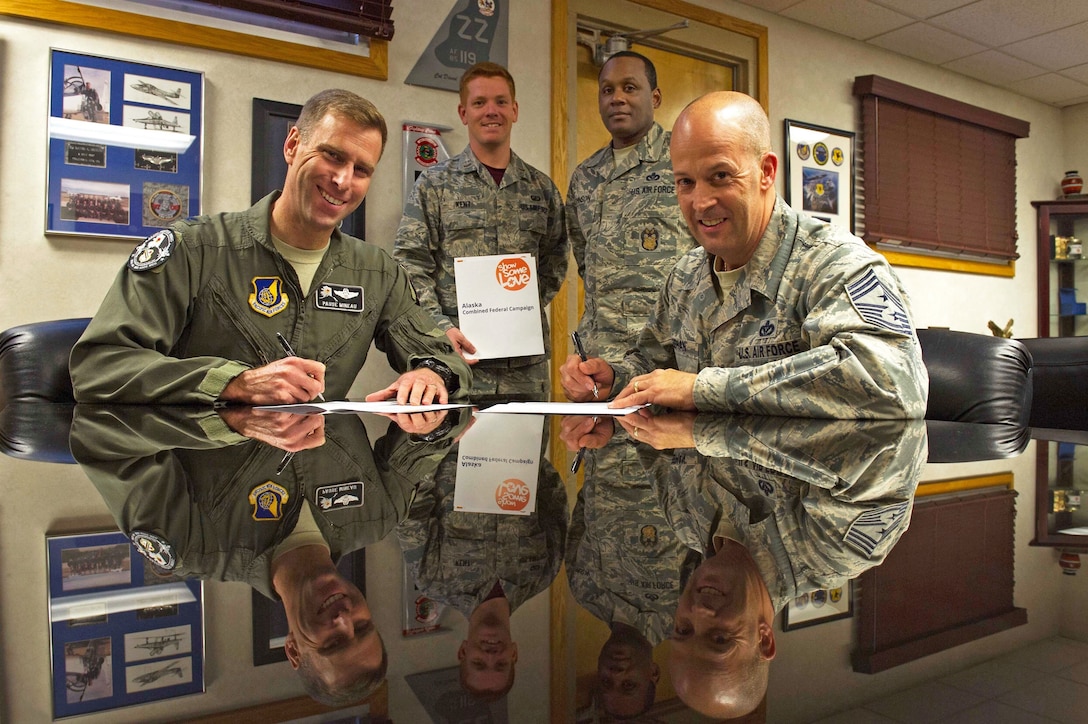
[
  {"x": 819, "y": 167},
  {"x": 270, "y": 619},
  {"x": 125, "y": 146},
  {"x": 121, "y": 631},
  {"x": 819, "y": 606},
  {"x": 271, "y": 122}
]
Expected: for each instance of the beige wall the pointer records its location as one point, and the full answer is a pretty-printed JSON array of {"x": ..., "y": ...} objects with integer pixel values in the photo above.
[{"x": 810, "y": 79}]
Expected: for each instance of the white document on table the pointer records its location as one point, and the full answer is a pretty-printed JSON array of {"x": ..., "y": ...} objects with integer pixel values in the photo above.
[
  {"x": 498, "y": 463},
  {"x": 498, "y": 304},
  {"x": 597, "y": 409},
  {"x": 387, "y": 407}
]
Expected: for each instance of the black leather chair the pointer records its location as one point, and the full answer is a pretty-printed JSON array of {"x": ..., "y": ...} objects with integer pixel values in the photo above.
[
  {"x": 36, "y": 399},
  {"x": 1060, "y": 372},
  {"x": 977, "y": 378}
]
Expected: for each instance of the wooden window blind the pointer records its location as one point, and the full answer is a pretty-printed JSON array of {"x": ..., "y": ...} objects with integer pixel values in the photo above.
[
  {"x": 370, "y": 18},
  {"x": 940, "y": 175}
]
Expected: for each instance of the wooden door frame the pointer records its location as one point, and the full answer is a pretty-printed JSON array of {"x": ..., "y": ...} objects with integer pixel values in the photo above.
[{"x": 562, "y": 48}]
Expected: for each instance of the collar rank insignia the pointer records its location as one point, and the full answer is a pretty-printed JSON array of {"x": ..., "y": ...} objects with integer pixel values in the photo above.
[
  {"x": 877, "y": 304},
  {"x": 339, "y": 297},
  {"x": 343, "y": 495},
  {"x": 268, "y": 297},
  {"x": 267, "y": 500},
  {"x": 153, "y": 251},
  {"x": 155, "y": 549},
  {"x": 870, "y": 528},
  {"x": 649, "y": 238}
]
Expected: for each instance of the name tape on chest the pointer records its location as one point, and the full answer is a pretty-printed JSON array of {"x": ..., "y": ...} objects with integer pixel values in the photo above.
[
  {"x": 342, "y": 495},
  {"x": 339, "y": 297}
]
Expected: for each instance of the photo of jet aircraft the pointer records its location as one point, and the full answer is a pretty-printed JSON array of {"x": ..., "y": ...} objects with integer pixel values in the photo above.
[
  {"x": 156, "y": 121},
  {"x": 151, "y": 89},
  {"x": 153, "y": 676}
]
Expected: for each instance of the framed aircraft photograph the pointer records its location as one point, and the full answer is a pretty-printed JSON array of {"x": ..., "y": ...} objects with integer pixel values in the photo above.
[
  {"x": 125, "y": 146},
  {"x": 122, "y": 631},
  {"x": 819, "y": 168}
]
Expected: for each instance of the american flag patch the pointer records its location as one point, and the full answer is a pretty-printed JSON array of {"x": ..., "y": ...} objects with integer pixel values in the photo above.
[
  {"x": 873, "y": 526},
  {"x": 878, "y": 305}
]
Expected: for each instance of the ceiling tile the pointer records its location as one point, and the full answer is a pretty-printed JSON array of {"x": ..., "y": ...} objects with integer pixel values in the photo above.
[
  {"x": 1060, "y": 49},
  {"x": 1079, "y": 72},
  {"x": 927, "y": 43},
  {"x": 923, "y": 9},
  {"x": 997, "y": 22},
  {"x": 994, "y": 67},
  {"x": 858, "y": 19},
  {"x": 1050, "y": 88}
]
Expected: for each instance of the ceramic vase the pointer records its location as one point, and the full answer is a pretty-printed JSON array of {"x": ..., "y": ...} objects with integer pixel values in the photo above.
[{"x": 1072, "y": 183}]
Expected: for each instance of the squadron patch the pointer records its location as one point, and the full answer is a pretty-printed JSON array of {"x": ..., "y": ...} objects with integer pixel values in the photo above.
[
  {"x": 153, "y": 251},
  {"x": 155, "y": 549},
  {"x": 877, "y": 304},
  {"x": 871, "y": 527},
  {"x": 339, "y": 297},
  {"x": 343, "y": 495},
  {"x": 267, "y": 500},
  {"x": 268, "y": 297}
]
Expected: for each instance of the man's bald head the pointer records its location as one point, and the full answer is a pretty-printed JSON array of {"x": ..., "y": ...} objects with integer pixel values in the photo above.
[{"x": 738, "y": 111}]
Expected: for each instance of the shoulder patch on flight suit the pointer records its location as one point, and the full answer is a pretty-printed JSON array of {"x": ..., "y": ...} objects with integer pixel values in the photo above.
[
  {"x": 871, "y": 527},
  {"x": 342, "y": 495},
  {"x": 155, "y": 549},
  {"x": 153, "y": 251},
  {"x": 268, "y": 297},
  {"x": 339, "y": 297},
  {"x": 877, "y": 304}
]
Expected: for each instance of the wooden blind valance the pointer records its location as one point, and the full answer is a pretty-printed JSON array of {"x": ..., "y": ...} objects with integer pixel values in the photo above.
[
  {"x": 369, "y": 18},
  {"x": 940, "y": 175}
]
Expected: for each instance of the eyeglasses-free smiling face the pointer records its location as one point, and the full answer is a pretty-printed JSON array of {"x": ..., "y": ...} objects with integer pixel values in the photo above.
[
  {"x": 488, "y": 111},
  {"x": 328, "y": 176}
]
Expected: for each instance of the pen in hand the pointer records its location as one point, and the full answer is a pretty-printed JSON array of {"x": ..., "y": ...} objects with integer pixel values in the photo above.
[
  {"x": 577, "y": 339},
  {"x": 291, "y": 353},
  {"x": 581, "y": 453}
]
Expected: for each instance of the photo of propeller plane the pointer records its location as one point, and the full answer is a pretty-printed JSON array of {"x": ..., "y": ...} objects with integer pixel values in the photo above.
[
  {"x": 151, "y": 89},
  {"x": 171, "y": 668},
  {"x": 155, "y": 120},
  {"x": 155, "y": 645}
]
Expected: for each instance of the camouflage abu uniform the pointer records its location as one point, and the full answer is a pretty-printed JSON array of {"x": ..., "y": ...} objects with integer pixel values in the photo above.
[
  {"x": 456, "y": 210},
  {"x": 816, "y": 502},
  {"x": 816, "y": 325},
  {"x": 456, "y": 557},
  {"x": 626, "y": 232}
]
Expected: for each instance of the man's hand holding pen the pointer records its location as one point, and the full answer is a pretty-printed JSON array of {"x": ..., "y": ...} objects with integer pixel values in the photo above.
[{"x": 585, "y": 378}]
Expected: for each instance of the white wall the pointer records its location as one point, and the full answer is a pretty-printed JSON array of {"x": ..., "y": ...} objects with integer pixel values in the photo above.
[{"x": 57, "y": 277}]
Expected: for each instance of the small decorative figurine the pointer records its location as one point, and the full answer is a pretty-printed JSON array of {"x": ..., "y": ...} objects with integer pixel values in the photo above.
[{"x": 998, "y": 331}]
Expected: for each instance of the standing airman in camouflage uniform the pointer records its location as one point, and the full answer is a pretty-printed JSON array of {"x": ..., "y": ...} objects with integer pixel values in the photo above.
[
  {"x": 484, "y": 565},
  {"x": 485, "y": 201},
  {"x": 775, "y": 313}
]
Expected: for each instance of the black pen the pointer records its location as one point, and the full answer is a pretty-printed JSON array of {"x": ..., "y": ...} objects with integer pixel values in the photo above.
[
  {"x": 577, "y": 339},
  {"x": 291, "y": 353},
  {"x": 581, "y": 454}
]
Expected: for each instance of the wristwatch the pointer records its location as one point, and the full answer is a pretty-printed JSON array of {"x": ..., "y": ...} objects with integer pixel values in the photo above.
[{"x": 448, "y": 378}]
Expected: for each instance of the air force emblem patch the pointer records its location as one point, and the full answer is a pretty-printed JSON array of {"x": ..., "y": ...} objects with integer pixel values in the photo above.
[
  {"x": 878, "y": 305},
  {"x": 268, "y": 297},
  {"x": 267, "y": 500},
  {"x": 344, "y": 495},
  {"x": 872, "y": 527},
  {"x": 153, "y": 251}
]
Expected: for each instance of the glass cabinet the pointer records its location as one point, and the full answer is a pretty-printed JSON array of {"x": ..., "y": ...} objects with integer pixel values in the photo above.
[
  {"x": 1061, "y": 491},
  {"x": 1062, "y": 267}
]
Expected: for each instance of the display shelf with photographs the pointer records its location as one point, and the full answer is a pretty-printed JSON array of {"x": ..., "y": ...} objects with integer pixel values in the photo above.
[
  {"x": 125, "y": 146},
  {"x": 122, "y": 632}
]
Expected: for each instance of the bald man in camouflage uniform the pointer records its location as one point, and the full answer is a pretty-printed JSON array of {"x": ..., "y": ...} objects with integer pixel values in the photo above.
[
  {"x": 775, "y": 313},
  {"x": 485, "y": 201}
]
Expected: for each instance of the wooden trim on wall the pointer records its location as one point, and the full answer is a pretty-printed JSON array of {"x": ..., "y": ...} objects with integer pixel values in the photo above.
[
  {"x": 940, "y": 263},
  {"x": 75, "y": 14}
]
